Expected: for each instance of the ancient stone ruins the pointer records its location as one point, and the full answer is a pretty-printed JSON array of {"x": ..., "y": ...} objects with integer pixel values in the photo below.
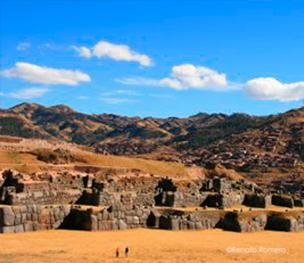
[{"x": 123, "y": 199}]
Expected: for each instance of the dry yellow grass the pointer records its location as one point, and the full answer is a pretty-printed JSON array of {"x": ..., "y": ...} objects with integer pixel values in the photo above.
[
  {"x": 149, "y": 246},
  {"x": 26, "y": 162},
  {"x": 150, "y": 166}
]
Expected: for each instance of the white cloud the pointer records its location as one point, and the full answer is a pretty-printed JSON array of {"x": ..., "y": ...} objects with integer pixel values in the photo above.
[
  {"x": 83, "y": 51},
  {"x": 23, "y": 46},
  {"x": 28, "y": 93},
  {"x": 189, "y": 76},
  {"x": 104, "y": 49},
  {"x": 272, "y": 89},
  {"x": 45, "y": 75},
  {"x": 52, "y": 46},
  {"x": 185, "y": 76},
  {"x": 120, "y": 53},
  {"x": 128, "y": 92},
  {"x": 115, "y": 100}
]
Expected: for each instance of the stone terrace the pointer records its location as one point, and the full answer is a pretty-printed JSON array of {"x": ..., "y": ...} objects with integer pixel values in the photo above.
[{"x": 124, "y": 199}]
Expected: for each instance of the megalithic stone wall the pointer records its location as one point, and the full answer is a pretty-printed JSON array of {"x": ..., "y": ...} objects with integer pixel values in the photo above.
[
  {"x": 43, "y": 197},
  {"x": 110, "y": 218},
  {"x": 285, "y": 221},
  {"x": 15, "y": 219}
]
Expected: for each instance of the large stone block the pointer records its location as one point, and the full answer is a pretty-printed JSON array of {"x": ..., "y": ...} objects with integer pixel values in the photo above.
[
  {"x": 8, "y": 216},
  {"x": 175, "y": 224},
  {"x": 129, "y": 220},
  {"x": 198, "y": 225},
  {"x": 57, "y": 224},
  {"x": 94, "y": 223},
  {"x": 122, "y": 225},
  {"x": 7, "y": 229},
  {"x": 190, "y": 225},
  {"x": 23, "y": 218},
  {"x": 17, "y": 219},
  {"x": 243, "y": 222},
  {"x": 28, "y": 226},
  {"x": 136, "y": 220},
  {"x": 19, "y": 228},
  {"x": 35, "y": 217}
]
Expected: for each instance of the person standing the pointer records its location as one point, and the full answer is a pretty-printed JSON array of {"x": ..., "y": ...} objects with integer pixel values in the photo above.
[
  {"x": 127, "y": 252},
  {"x": 117, "y": 252}
]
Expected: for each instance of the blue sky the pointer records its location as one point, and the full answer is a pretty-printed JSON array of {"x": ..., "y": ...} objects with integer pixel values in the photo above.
[{"x": 153, "y": 58}]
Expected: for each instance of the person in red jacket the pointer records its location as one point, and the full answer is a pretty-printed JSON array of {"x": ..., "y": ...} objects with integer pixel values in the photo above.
[{"x": 117, "y": 252}]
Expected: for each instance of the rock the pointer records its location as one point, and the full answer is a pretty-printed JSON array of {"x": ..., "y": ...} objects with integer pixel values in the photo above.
[
  {"x": 8, "y": 216},
  {"x": 129, "y": 220},
  {"x": 17, "y": 219},
  {"x": 28, "y": 226},
  {"x": 191, "y": 225},
  {"x": 174, "y": 224},
  {"x": 19, "y": 228},
  {"x": 122, "y": 225},
  {"x": 243, "y": 222},
  {"x": 94, "y": 223},
  {"x": 7, "y": 229},
  {"x": 198, "y": 225},
  {"x": 136, "y": 220}
]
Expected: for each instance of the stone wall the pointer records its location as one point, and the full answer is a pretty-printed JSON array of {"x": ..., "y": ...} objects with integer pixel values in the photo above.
[
  {"x": 44, "y": 197},
  {"x": 257, "y": 200},
  {"x": 225, "y": 200},
  {"x": 116, "y": 217},
  {"x": 127, "y": 187},
  {"x": 15, "y": 219},
  {"x": 111, "y": 218},
  {"x": 41, "y": 188},
  {"x": 243, "y": 222},
  {"x": 141, "y": 200},
  {"x": 285, "y": 222},
  {"x": 183, "y": 220},
  {"x": 298, "y": 202},
  {"x": 282, "y": 200}
]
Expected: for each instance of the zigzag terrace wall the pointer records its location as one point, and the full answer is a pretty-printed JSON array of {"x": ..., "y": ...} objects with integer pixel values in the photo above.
[
  {"x": 131, "y": 199},
  {"x": 14, "y": 219}
]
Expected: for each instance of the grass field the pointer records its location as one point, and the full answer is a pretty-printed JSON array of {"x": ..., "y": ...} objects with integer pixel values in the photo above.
[
  {"x": 151, "y": 246},
  {"x": 25, "y": 162}
]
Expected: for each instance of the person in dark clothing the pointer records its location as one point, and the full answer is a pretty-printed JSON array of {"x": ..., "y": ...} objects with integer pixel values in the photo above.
[
  {"x": 117, "y": 252},
  {"x": 126, "y": 251}
]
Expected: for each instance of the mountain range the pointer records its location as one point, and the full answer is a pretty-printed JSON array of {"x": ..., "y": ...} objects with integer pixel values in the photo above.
[{"x": 238, "y": 140}]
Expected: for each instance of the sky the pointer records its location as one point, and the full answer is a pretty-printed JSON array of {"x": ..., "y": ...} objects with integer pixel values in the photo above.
[{"x": 153, "y": 58}]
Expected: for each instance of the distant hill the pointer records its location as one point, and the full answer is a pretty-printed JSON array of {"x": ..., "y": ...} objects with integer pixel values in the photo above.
[{"x": 199, "y": 139}]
